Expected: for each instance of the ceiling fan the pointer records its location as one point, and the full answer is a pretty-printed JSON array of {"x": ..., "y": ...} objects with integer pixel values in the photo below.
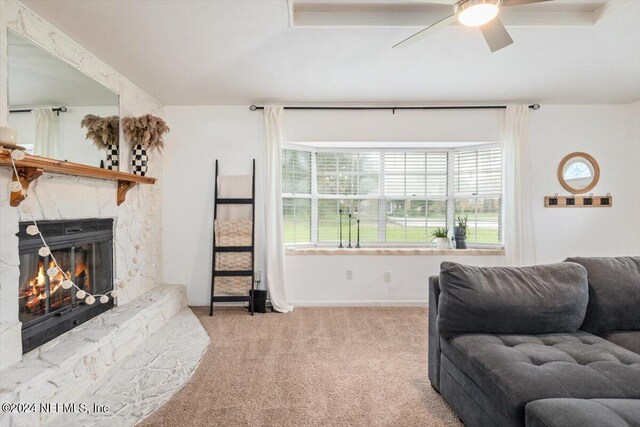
[{"x": 474, "y": 13}]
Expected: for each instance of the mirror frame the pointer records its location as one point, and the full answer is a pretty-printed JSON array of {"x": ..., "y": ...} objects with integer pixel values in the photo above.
[{"x": 596, "y": 172}]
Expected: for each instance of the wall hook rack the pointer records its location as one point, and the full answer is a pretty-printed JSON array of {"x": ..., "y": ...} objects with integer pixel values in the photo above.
[{"x": 574, "y": 201}]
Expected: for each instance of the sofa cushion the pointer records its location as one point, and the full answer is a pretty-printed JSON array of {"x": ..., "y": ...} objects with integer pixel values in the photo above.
[
  {"x": 614, "y": 294},
  {"x": 503, "y": 300},
  {"x": 518, "y": 369},
  {"x": 627, "y": 339},
  {"x": 583, "y": 413}
]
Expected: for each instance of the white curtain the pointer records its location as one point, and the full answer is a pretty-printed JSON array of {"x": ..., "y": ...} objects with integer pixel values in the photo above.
[
  {"x": 518, "y": 221},
  {"x": 47, "y": 133},
  {"x": 273, "y": 211}
]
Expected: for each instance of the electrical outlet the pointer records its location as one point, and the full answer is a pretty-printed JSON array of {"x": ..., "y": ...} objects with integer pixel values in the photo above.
[
  {"x": 387, "y": 277},
  {"x": 349, "y": 274}
]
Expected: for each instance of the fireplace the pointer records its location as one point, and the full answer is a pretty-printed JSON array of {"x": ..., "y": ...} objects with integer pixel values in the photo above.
[{"x": 84, "y": 250}]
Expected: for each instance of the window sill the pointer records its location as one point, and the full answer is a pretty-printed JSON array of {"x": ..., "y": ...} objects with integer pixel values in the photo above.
[{"x": 395, "y": 251}]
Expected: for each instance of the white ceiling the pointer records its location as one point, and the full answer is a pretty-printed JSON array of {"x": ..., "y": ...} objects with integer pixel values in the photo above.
[
  {"x": 246, "y": 51},
  {"x": 37, "y": 78}
]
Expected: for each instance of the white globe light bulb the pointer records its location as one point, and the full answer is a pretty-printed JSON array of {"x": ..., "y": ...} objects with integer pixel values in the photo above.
[
  {"x": 15, "y": 187},
  {"x": 477, "y": 13}
]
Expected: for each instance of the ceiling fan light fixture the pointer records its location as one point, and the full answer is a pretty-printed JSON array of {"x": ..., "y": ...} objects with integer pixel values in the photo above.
[{"x": 474, "y": 13}]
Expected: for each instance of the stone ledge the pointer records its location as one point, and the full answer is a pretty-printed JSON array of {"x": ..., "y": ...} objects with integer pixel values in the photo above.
[
  {"x": 147, "y": 378},
  {"x": 61, "y": 370},
  {"x": 11, "y": 339},
  {"x": 394, "y": 251}
]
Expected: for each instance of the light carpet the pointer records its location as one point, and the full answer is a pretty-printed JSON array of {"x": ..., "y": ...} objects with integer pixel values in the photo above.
[{"x": 356, "y": 366}]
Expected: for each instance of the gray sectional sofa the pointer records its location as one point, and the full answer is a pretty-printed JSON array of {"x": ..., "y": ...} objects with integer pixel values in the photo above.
[{"x": 552, "y": 345}]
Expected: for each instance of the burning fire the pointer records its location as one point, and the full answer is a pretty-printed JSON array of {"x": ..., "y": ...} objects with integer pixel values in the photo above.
[{"x": 34, "y": 292}]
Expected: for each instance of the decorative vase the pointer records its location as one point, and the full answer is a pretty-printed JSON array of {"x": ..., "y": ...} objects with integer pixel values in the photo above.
[
  {"x": 442, "y": 243},
  {"x": 460, "y": 235},
  {"x": 113, "y": 161},
  {"x": 139, "y": 160}
]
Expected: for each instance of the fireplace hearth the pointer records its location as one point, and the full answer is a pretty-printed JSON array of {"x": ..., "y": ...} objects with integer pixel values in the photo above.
[{"x": 84, "y": 250}]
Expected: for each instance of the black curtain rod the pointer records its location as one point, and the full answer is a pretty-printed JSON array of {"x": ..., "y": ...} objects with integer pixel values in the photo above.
[
  {"x": 28, "y": 110},
  {"x": 451, "y": 107}
]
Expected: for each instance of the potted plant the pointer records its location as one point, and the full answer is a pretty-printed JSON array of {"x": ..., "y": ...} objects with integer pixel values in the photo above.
[
  {"x": 441, "y": 238},
  {"x": 460, "y": 232},
  {"x": 104, "y": 132},
  {"x": 144, "y": 133}
]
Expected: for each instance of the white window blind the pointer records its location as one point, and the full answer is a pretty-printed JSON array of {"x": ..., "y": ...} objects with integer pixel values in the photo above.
[
  {"x": 296, "y": 172},
  {"x": 399, "y": 197},
  {"x": 348, "y": 174},
  {"x": 296, "y": 191},
  {"x": 478, "y": 172},
  {"x": 415, "y": 174}
]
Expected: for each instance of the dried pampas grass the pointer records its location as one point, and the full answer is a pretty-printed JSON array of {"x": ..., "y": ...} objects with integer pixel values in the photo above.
[
  {"x": 103, "y": 131},
  {"x": 145, "y": 130}
]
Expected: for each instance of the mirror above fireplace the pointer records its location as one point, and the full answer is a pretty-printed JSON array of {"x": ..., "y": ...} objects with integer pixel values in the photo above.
[{"x": 48, "y": 100}]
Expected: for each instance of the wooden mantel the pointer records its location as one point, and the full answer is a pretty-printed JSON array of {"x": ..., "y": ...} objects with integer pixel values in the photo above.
[{"x": 33, "y": 167}]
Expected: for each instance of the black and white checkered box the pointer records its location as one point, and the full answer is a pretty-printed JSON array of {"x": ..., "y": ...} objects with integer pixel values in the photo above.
[
  {"x": 139, "y": 160},
  {"x": 113, "y": 160}
]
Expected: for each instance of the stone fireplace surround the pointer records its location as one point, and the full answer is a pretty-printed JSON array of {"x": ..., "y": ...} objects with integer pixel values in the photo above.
[
  {"x": 137, "y": 222},
  {"x": 74, "y": 364}
]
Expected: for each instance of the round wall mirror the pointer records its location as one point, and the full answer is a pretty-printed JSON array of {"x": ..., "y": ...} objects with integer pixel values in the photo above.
[{"x": 578, "y": 173}]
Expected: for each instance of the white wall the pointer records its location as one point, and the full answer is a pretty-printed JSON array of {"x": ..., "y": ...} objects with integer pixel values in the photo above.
[
  {"x": 605, "y": 133},
  {"x": 199, "y": 136},
  {"x": 634, "y": 139},
  {"x": 234, "y": 135}
]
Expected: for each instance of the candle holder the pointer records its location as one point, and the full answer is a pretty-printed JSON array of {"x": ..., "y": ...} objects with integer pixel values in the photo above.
[
  {"x": 350, "y": 231},
  {"x": 340, "y": 227},
  {"x": 358, "y": 235}
]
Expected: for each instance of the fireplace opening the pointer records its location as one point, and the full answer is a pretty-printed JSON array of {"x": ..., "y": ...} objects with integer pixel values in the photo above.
[{"x": 84, "y": 251}]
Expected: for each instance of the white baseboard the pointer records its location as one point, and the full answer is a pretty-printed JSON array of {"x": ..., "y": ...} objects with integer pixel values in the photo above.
[
  {"x": 365, "y": 303},
  {"x": 205, "y": 303},
  {"x": 372, "y": 303}
]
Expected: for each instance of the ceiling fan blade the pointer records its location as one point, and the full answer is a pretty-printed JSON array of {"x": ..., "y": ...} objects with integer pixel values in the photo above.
[
  {"x": 427, "y": 31},
  {"x": 496, "y": 35},
  {"x": 509, "y": 3}
]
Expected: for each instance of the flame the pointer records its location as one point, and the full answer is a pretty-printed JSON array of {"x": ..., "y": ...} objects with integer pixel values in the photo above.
[{"x": 34, "y": 293}]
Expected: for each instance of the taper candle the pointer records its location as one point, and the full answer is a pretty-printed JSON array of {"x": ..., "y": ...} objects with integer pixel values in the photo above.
[
  {"x": 358, "y": 243},
  {"x": 350, "y": 231},
  {"x": 340, "y": 226}
]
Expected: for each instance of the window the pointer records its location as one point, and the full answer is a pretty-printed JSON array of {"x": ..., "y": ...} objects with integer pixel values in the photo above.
[
  {"x": 399, "y": 197},
  {"x": 477, "y": 193}
]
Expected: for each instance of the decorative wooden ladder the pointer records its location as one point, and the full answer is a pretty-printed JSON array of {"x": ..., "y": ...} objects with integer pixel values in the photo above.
[{"x": 222, "y": 249}]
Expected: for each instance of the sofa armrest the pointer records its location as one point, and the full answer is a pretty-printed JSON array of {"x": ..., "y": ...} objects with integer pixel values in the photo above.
[{"x": 434, "y": 336}]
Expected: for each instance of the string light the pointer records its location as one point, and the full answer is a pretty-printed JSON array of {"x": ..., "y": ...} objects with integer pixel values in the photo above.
[
  {"x": 17, "y": 155},
  {"x": 15, "y": 186},
  {"x": 44, "y": 251}
]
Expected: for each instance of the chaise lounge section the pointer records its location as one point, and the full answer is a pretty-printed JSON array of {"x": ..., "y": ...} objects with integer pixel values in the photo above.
[{"x": 506, "y": 349}]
